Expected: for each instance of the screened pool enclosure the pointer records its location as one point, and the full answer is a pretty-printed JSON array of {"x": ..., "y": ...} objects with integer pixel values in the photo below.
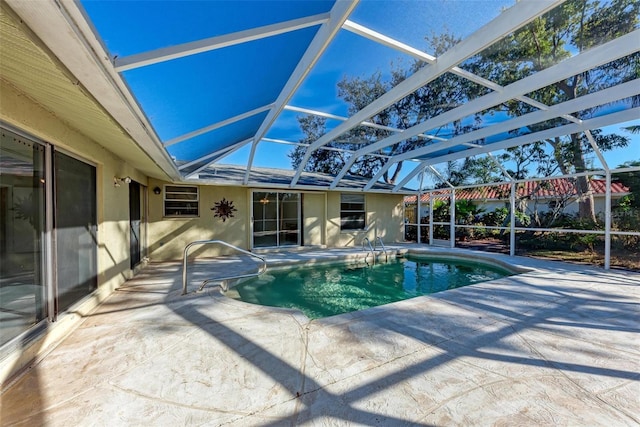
[{"x": 429, "y": 99}]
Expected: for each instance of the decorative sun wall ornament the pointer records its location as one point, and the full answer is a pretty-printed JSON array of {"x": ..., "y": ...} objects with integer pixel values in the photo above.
[{"x": 223, "y": 209}]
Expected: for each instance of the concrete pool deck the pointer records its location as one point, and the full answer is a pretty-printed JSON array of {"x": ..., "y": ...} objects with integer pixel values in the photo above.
[{"x": 558, "y": 345}]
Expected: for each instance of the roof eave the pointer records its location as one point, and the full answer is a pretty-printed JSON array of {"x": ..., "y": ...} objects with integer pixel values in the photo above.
[{"x": 63, "y": 28}]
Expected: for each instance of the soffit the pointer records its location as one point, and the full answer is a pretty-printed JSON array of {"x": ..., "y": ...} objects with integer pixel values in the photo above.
[{"x": 29, "y": 68}]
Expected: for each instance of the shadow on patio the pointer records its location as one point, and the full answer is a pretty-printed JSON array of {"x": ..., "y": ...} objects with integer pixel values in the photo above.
[{"x": 555, "y": 346}]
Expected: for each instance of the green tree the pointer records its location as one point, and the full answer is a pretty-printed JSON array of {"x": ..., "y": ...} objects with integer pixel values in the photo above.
[
  {"x": 631, "y": 180},
  {"x": 632, "y": 129},
  {"x": 573, "y": 27},
  {"x": 444, "y": 93},
  {"x": 482, "y": 170},
  {"x": 357, "y": 93},
  {"x": 325, "y": 161}
]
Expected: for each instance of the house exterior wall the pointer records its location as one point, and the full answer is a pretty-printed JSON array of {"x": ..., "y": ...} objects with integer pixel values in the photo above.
[
  {"x": 385, "y": 213},
  {"x": 168, "y": 236},
  {"x": 320, "y": 222}
]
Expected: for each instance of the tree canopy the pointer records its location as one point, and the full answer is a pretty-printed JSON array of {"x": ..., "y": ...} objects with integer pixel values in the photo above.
[{"x": 567, "y": 30}]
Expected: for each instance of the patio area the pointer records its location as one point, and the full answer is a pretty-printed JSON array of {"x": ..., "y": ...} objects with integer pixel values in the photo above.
[{"x": 557, "y": 345}]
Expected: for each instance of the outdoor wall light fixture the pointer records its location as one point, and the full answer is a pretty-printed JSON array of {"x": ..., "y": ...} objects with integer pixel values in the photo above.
[
  {"x": 117, "y": 181},
  {"x": 157, "y": 190}
]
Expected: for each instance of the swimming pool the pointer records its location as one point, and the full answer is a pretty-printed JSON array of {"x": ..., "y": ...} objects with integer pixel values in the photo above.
[{"x": 326, "y": 290}]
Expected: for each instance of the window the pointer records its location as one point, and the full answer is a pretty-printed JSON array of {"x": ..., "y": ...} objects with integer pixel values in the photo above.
[
  {"x": 352, "y": 213},
  {"x": 180, "y": 200}
]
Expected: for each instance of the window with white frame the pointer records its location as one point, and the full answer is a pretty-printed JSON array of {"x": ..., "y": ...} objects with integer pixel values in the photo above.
[
  {"x": 181, "y": 200},
  {"x": 352, "y": 212}
]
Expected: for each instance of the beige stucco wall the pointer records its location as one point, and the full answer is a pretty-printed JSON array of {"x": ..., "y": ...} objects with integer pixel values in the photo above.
[
  {"x": 169, "y": 236},
  {"x": 112, "y": 202},
  {"x": 384, "y": 219},
  {"x": 314, "y": 215},
  {"x": 386, "y": 211},
  {"x": 321, "y": 222}
]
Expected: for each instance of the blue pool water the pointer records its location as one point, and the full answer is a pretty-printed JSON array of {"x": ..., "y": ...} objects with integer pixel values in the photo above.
[{"x": 327, "y": 290}]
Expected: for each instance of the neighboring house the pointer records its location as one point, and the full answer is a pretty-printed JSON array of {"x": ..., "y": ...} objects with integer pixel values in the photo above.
[{"x": 540, "y": 196}]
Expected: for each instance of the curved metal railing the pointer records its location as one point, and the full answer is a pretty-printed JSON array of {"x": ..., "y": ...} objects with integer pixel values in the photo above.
[
  {"x": 379, "y": 239},
  {"x": 373, "y": 253},
  {"x": 261, "y": 270}
]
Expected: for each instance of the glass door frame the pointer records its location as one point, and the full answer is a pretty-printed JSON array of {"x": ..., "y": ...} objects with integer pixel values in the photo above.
[
  {"x": 277, "y": 219},
  {"x": 49, "y": 291},
  {"x": 52, "y": 231}
]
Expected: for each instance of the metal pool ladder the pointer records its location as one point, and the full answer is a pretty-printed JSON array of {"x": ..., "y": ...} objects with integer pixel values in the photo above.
[
  {"x": 379, "y": 239},
  {"x": 373, "y": 253},
  {"x": 372, "y": 250},
  {"x": 261, "y": 270}
]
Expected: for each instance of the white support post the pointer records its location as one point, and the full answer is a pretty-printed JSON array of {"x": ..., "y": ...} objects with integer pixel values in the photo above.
[
  {"x": 252, "y": 153},
  {"x": 218, "y": 125},
  {"x": 418, "y": 215},
  {"x": 452, "y": 211},
  {"x": 431, "y": 218},
  {"x": 512, "y": 230},
  {"x": 219, "y": 42},
  {"x": 419, "y": 234},
  {"x": 594, "y": 123},
  {"x": 607, "y": 221},
  {"x": 607, "y": 200},
  {"x": 600, "y": 55}
]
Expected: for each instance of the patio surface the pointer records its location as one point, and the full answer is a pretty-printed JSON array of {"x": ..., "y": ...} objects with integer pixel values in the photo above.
[{"x": 558, "y": 345}]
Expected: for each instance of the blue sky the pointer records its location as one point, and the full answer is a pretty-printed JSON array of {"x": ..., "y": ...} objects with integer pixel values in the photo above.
[{"x": 176, "y": 105}]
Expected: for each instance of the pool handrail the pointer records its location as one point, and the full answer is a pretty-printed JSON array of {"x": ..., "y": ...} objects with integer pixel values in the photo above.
[
  {"x": 185, "y": 256},
  {"x": 373, "y": 253},
  {"x": 379, "y": 239}
]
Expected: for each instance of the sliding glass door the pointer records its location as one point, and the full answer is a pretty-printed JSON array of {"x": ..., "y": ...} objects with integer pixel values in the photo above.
[
  {"x": 22, "y": 219},
  {"x": 75, "y": 229},
  {"x": 276, "y": 219},
  {"x": 288, "y": 219},
  {"x": 265, "y": 219},
  {"x": 48, "y": 230}
]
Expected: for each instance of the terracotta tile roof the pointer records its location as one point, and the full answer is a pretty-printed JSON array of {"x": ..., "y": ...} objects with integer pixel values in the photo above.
[{"x": 549, "y": 188}]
